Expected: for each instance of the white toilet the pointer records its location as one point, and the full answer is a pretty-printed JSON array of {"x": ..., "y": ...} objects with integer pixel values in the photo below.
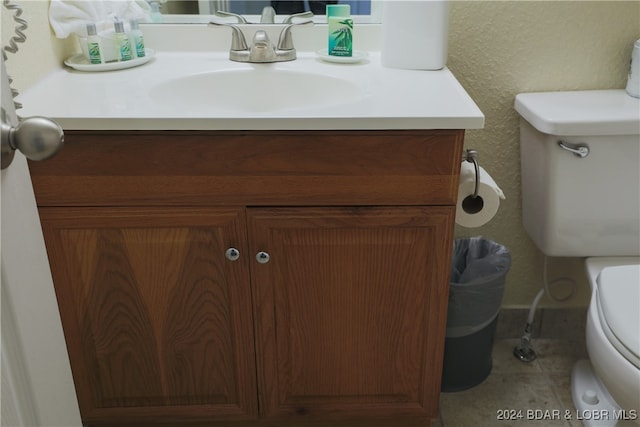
[{"x": 580, "y": 158}]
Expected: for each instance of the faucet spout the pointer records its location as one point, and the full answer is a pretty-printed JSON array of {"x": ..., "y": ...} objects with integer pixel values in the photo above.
[
  {"x": 261, "y": 50},
  {"x": 260, "y": 38}
]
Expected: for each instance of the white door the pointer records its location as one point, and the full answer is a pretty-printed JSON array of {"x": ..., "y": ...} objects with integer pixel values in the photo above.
[{"x": 37, "y": 386}]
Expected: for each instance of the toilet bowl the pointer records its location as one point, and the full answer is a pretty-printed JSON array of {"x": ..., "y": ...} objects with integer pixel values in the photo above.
[
  {"x": 606, "y": 388},
  {"x": 581, "y": 198}
]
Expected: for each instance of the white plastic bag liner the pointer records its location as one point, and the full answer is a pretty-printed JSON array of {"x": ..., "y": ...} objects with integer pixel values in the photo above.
[{"x": 478, "y": 272}]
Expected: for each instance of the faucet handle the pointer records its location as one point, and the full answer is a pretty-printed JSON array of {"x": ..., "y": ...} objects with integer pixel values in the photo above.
[
  {"x": 285, "y": 42},
  {"x": 289, "y": 19},
  {"x": 223, "y": 14},
  {"x": 238, "y": 41}
]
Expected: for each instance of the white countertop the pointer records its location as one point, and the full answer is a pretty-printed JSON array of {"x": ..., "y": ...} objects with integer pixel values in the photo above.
[{"x": 122, "y": 99}]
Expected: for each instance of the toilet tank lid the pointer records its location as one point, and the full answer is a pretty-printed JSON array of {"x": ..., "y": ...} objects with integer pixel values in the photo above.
[{"x": 593, "y": 112}]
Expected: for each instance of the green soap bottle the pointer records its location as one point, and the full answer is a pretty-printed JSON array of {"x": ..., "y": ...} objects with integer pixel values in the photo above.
[
  {"x": 340, "y": 30},
  {"x": 122, "y": 40},
  {"x": 136, "y": 39},
  {"x": 94, "y": 47}
]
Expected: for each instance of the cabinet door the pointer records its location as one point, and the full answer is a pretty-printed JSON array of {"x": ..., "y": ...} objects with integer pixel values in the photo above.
[
  {"x": 350, "y": 310},
  {"x": 157, "y": 320}
]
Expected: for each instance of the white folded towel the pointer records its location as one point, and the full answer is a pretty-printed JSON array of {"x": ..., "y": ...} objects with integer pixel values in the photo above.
[{"x": 72, "y": 16}]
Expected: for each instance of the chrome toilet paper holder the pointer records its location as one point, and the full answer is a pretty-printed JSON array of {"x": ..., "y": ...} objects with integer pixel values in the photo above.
[{"x": 471, "y": 156}]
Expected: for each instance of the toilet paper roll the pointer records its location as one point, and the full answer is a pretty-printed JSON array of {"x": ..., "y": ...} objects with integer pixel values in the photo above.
[{"x": 474, "y": 212}]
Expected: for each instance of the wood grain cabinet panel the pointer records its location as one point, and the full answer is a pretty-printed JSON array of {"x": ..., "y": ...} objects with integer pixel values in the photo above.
[
  {"x": 158, "y": 322},
  {"x": 349, "y": 310},
  {"x": 259, "y": 168}
]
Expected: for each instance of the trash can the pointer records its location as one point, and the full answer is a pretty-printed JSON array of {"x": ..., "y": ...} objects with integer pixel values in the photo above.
[{"x": 478, "y": 272}]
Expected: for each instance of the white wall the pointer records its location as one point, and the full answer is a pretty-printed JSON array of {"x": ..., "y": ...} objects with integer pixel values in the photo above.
[{"x": 42, "y": 52}]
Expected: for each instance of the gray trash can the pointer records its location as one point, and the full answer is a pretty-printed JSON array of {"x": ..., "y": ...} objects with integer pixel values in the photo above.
[{"x": 478, "y": 271}]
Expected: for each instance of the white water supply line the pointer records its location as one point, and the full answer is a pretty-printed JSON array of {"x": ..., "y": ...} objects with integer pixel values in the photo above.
[{"x": 523, "y": 350}]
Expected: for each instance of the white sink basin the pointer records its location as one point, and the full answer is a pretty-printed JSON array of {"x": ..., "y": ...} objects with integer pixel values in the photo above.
[{"x": 259, "y": 89}]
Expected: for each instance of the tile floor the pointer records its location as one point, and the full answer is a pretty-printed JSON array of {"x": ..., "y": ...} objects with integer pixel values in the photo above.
[{"x": 543, "y": 384}]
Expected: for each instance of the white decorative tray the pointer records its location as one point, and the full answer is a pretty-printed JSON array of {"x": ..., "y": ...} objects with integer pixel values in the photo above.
[{"x": 81, "y": 63}]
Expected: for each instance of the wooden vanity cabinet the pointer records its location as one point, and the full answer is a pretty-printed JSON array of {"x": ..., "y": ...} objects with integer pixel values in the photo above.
[{"x": 331, "y": 307}]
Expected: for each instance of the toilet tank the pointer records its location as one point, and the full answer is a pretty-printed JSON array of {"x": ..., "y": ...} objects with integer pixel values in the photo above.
[{"x": 581, "y": 206}]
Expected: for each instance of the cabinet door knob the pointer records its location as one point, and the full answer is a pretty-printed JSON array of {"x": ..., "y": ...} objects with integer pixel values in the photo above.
[
  {"x": 262, "y": 257},
  {"x": 232, "y": 254}
]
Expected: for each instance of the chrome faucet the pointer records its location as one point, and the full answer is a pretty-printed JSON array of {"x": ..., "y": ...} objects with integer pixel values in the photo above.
[{"x": 261, "y": 49}]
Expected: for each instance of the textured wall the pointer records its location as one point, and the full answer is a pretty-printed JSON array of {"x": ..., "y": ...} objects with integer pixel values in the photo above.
[
  {"x": 496, "y": 49},
  {"x": 42, "y": 52}
]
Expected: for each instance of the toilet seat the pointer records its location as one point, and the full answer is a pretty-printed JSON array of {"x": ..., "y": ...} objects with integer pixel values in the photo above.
[{"x": 618, "y": 300}]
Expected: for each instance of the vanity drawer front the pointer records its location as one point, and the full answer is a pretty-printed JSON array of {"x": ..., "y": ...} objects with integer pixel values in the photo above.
[{"x": 261, "y": 168}]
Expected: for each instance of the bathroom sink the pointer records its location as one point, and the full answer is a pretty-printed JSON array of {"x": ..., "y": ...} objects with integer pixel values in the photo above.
[
  {"x": 204, "y": 90},
  {"x": 254, "y": 90}
]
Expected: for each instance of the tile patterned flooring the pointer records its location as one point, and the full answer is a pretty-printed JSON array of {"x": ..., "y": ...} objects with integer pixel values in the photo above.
[{"x": 543, "y": 384}]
